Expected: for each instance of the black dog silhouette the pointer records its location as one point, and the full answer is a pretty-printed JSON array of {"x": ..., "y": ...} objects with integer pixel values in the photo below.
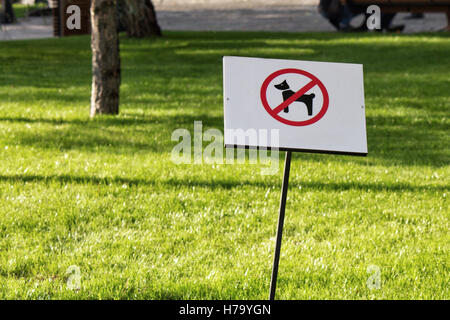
[{"x": 307, "y": 99}]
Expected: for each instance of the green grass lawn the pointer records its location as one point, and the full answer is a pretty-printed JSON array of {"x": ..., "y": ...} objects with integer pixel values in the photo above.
[
  {"x": 104, "y": 195},
  {"x": 21, "y": 10}
]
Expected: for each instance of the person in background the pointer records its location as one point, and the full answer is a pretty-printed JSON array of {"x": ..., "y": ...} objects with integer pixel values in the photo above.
[
  {"x": 346, "y": 17},
  {"x": 336, "y": 12},
  {"x": 339, "y": 14}
]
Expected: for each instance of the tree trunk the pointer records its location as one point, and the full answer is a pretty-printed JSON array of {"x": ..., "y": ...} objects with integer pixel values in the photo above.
[
  {"x": 105, "y": 58},
  {"x": 138, "y": 18},
  {"x": 7, "y": 12}
]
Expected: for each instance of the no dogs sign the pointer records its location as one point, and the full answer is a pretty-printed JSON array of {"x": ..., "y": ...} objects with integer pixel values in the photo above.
[
  {"x": 289, "y": 96},
  {"x": 316, "y": 106}
]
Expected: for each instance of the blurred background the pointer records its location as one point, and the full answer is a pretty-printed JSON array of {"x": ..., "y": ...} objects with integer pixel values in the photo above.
[{"x": 34, "y": 17}]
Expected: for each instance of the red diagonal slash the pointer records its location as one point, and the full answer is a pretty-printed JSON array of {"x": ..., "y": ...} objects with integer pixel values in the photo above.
[{"x": 294, "y": 97}]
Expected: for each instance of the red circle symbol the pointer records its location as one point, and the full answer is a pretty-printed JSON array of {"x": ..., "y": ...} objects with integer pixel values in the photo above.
[{"x": 275, "y": 111}]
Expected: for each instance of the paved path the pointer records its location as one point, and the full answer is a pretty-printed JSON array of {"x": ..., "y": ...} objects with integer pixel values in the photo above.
[
  {"x": 245, "y": 15},
  {"x": 265, "y": 15},
  {"x": 29, "y": 28},
  {"x": 280, "y": 18}
]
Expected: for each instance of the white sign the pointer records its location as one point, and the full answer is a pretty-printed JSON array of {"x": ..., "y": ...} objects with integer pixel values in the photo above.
[{"x": 316, "y": 106}]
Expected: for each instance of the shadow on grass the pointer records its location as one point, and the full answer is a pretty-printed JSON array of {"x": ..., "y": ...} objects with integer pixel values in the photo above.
[
  {"x": 159, "y": 65},
  {"x": 198, "y": 52},
  {"x": 103, "y": 122},
  {"x": 391, "y": 140},
  {"x": 220, "y": 183}
]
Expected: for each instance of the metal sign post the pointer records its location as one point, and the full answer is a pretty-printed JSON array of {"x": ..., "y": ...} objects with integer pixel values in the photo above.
[
  {"x": 276, "y": 257},
  {"x": 312, "y": 106}
]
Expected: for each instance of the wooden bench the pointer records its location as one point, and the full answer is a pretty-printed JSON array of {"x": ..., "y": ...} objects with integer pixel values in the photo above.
[{"x": 393, "y": 6}]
